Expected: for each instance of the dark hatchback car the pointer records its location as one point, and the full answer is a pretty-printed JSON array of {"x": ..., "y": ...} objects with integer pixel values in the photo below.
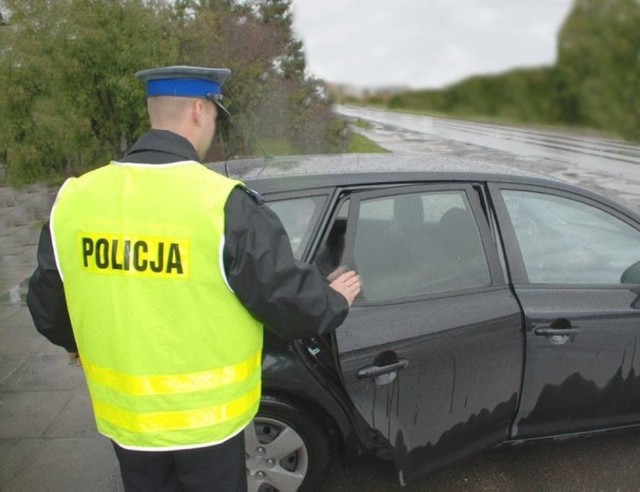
[{"x": 497, "y": 306}]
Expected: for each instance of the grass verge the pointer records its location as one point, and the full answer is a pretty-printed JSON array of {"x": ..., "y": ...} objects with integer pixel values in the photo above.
[{"x": 359, "y": 144}]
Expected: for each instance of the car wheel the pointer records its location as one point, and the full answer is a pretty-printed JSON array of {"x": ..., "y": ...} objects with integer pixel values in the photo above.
[{"x": 286, "y": 449}]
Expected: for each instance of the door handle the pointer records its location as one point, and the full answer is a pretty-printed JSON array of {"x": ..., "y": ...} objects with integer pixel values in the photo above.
[
  {"x": 552, "y": 332},
  {"x": 558, "y": 327},
  {"x": 374, "y": 371}
]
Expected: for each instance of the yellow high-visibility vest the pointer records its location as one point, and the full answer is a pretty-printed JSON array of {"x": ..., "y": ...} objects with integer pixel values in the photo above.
[{"x": 171, "y": 357}]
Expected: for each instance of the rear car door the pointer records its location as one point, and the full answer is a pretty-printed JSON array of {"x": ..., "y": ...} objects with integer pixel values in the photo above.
[
  {"x": 569, "y": 257},
  {"x": 431, "y": 352}
]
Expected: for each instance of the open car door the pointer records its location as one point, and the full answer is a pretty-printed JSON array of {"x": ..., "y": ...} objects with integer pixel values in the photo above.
[{"x": 431, "y": 353}]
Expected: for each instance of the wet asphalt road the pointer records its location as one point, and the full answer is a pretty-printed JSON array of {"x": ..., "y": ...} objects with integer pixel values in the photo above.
[
  {"x": 606, "y": 166},
  {"x": 47, "y": 440},
  {"x": 602, "y": 463}
]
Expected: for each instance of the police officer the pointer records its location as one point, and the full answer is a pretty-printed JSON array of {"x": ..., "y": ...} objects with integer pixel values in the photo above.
[{"x": 160, "y": 274}]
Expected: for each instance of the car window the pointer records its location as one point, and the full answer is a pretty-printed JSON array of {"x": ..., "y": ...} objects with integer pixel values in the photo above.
[
  {"x": 416, "y": 244},
  {"x": 565, "y": 241},
  {"x": 298, "y": 215}
]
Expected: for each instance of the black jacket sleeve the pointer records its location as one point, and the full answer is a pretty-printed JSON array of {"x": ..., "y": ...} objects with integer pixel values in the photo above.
[
  {"x": 46, "y": 300},
  {"x": 289, "y": 297}
]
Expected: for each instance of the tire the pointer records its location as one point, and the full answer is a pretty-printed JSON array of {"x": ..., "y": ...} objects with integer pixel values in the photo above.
[{"x": 287, "y": 449}]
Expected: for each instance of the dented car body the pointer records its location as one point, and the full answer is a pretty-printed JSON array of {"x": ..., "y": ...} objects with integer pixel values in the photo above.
[{"x": 497, "y": 306}]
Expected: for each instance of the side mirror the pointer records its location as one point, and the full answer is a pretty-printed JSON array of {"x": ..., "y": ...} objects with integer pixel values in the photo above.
[{"x": 631, "y": 275}]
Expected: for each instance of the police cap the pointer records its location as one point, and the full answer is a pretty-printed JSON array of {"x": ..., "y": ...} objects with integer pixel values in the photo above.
[{"x": 186, "y": 81}]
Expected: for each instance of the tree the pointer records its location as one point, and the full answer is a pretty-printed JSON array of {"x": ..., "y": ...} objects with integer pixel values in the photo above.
[
  {"x": 599, "y": 65},
  {"x": 67, "y": 92},
  {"x": 270, "y": 96},
  {"x": 70, "y": 101},
  {"x": 593, "y": 84}
]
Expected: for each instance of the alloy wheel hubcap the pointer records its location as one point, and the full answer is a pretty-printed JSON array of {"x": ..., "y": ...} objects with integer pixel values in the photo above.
[{"x": 276, "y": 456}]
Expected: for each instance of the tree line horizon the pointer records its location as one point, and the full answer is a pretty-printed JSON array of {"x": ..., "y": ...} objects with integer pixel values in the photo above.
[{"x": 593, "y": 85}]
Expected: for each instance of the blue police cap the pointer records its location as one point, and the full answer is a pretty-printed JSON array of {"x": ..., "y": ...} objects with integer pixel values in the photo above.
[{"x": 186, "y": 81}]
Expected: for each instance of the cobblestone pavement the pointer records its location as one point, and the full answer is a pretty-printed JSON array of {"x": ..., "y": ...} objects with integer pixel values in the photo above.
[{"x": 47, "y": 435}]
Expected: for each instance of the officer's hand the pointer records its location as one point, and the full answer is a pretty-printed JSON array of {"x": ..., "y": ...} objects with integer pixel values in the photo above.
[{"x": 348, "y": 284}]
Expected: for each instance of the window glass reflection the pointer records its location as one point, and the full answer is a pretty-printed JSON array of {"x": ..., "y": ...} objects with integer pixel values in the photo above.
[
  {"x": 298, "y": 215},
  {"x": 565, "y": 241},
  {"x": 416, "y": 244}
]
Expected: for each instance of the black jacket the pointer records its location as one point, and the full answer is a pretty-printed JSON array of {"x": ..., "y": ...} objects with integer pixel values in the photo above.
[{"x": 289, "y": 297}]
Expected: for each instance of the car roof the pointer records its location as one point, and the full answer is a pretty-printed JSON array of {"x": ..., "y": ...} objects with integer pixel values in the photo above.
[
  {"x": 307, "y": 172},
  {"x": 275, "y": 174}
]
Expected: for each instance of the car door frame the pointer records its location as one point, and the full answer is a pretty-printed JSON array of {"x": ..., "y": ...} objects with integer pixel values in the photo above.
[{"x": 306, "y": 361}]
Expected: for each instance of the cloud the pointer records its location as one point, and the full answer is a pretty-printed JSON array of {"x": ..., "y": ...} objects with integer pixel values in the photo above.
[{"x": 425, "y": 43}]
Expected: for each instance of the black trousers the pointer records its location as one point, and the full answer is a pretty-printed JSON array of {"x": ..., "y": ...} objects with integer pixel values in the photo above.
[{"x": 219, "y": 468}]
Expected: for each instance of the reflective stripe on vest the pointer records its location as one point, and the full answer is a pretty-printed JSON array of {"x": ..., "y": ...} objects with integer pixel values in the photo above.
[
  {"x": 171, "y": 356},
  {"x": 177, "y": 383},
  {"x": 189, "y": 419}
]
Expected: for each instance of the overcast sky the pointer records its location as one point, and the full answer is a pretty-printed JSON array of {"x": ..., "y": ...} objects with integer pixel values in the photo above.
[{"x": 425, "y": 43}]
